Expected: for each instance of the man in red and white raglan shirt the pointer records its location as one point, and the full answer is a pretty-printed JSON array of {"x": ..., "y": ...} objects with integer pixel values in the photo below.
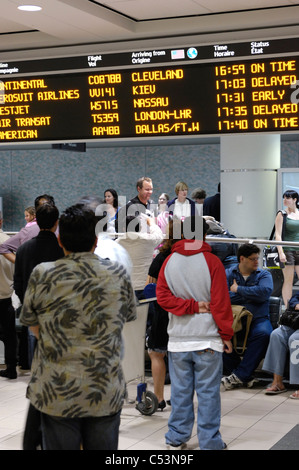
[{"x": 192, "y": 287}]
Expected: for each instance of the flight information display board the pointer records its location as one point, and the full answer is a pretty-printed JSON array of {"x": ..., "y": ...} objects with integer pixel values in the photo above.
[{"x": 189, "y": 99}]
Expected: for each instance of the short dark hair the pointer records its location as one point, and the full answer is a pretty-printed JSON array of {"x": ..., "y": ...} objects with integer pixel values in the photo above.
[
  {"x": 47, "y": 197},
  {"x": 247, "y": 250},
  {"x": 140, "y": 181},
  {"x": 198, "y": 193},
  {"x": 77, "y": 228},
  {"x": 46, "y": 216}
]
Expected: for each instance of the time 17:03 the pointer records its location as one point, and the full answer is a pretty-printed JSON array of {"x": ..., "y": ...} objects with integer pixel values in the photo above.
[{"x": 234, "y": 83}]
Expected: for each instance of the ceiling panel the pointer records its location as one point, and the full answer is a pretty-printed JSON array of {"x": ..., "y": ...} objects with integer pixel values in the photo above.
[
  {"x": 217, "y": 6},
  {"x": 8, "y": 26},
  {"x": 155, "y": 9},
  {"x": 75, "y": 23}
]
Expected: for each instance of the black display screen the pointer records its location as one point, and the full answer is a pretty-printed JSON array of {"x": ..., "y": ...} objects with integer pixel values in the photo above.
[{"x": 204, "y": 98}]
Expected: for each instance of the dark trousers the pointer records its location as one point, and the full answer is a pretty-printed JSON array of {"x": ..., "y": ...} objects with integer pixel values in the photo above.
[
  {"x": 32, "y": 439},
  {"x": 257, "y": 343},
  {"x": 23, "y": 348},
  {"x": 92, "y": 433},
  {"x": 8, "y": 324}
]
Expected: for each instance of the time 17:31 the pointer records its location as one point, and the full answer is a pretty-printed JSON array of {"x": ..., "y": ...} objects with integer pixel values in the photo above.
[{"x": 235, "y": 97}]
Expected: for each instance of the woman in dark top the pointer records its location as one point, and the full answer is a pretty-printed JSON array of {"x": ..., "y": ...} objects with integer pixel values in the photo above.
[{"x": 288, "y": 255}]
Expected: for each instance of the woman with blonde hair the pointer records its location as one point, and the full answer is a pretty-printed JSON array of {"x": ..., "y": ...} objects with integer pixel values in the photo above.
[{"x": 181, "y": 206}]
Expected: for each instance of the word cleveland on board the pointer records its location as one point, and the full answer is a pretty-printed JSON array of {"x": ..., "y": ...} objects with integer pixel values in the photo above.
[{"x": 187, "y": 100}]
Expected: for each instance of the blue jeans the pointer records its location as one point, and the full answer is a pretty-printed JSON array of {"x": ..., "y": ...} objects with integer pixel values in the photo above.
[
  {"x": 92, "y": 433},
  {"x": 257, "y": 343},
  {"x": 32, "y": 341},
  {"x": 198, "y": 371},
  {"x": 283, "y": 340}
]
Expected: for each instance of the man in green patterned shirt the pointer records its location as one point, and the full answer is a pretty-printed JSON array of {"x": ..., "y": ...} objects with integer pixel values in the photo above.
[{"x": 76, "y": 307}]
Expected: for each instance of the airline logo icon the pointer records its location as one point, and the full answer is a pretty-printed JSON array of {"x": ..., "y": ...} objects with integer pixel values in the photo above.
[{"x": 178, "y": 54}]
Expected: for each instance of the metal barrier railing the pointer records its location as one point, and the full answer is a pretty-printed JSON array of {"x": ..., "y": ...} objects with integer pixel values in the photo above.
[
  {"x": 258, "y": 241},
  {"x": 251, "y": 240}
]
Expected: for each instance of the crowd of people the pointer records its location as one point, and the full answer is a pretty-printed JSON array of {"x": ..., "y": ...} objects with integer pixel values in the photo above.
[{"x": 79, "y": 276}]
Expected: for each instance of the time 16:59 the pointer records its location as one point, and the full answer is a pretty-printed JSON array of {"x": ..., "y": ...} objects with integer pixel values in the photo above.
[{"x": 235, "y": 69}]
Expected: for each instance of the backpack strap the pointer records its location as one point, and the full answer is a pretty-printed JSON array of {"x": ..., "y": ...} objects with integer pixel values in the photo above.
[
  {"x": 284, "y": 215},
  {"x": 240, "y": 349}
]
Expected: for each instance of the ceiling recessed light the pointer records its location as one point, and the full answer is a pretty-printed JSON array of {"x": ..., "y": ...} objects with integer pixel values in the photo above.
[{"x": 29, "y": 8}]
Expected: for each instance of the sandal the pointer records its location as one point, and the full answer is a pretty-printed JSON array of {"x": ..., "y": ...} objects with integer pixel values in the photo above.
[
  {"x": 295, "y": 395},
  {"x": 274, "y": 390}
]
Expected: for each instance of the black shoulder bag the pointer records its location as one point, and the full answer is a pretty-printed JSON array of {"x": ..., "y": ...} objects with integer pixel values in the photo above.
[{"x": 290, "y": 318}]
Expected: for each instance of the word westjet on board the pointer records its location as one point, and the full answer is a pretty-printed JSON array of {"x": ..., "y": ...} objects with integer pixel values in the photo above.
[{"x": 190, "y": 98}]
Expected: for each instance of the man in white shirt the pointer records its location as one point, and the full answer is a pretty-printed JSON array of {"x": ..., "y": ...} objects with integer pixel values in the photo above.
[
  {"x": 141, "y": 238},
  {"x": 107, "y": 248}
]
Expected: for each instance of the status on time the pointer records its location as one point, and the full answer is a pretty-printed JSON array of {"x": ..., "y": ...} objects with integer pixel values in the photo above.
[
  {"x": 191, "y": 99},
  {"x": 262, "y": 93}
]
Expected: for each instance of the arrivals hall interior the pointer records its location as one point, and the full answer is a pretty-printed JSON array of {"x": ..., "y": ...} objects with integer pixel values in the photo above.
[{"x": 96, "y": 94}]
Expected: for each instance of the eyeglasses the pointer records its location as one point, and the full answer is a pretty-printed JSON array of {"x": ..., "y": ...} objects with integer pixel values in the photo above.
[{"x": 256, "y": 258}]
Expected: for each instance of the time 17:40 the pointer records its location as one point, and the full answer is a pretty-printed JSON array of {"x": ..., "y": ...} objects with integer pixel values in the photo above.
[{"x": 226, "y": 125}]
